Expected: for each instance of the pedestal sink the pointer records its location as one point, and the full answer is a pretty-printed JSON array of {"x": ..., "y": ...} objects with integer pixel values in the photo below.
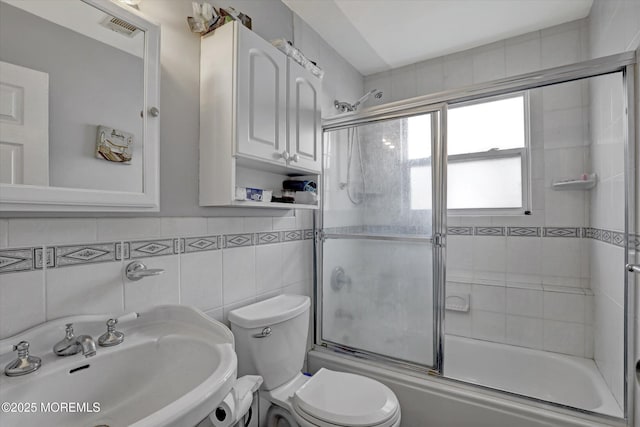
[{"x": 173, "y": 368}]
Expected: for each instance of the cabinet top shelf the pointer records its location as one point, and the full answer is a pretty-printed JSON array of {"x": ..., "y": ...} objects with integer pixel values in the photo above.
[{"x": 271, "y": 205}]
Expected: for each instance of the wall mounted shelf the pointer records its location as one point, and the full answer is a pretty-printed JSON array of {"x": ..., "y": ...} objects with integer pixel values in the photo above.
[{"x": 585, "y": 183}]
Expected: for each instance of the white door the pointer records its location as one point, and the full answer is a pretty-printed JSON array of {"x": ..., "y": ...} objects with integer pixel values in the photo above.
[
  {"x": 262, "y": 97},
  {"x": 305, "y": 129},
  {"x": 24, "y": 125}
]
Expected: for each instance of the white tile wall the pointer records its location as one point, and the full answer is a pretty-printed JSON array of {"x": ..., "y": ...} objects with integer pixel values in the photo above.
[
  {"x": 84, "y": 289},
  {"x": 22, "y": 301},
  {"x": 525, "y": 315},
  {"x": 214, "y": 281},
  {"x": 155, "y": 290},
  {"x": 201, "y": 279}
]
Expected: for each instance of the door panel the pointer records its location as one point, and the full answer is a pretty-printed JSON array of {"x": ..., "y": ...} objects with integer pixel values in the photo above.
[
  {"x": 24, "y": 138},
  {"x": 261, "y": 86},
  {"x": 381, "y": 270},
  {"x": 304, "y": 119}
]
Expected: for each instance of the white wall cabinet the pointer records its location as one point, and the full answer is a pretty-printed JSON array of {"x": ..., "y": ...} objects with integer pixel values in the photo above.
[{"x": 259, "y": 117}]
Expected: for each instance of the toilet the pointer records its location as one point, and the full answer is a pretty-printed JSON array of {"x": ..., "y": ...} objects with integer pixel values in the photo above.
[{"x": 271, "y": 340}]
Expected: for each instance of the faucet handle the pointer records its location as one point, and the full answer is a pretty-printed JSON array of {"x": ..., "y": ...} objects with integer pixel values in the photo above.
[
  {"x": 68, "y": 345},
  {"x": 111, "y": 337},
  {"x": 24, "y": 364}
]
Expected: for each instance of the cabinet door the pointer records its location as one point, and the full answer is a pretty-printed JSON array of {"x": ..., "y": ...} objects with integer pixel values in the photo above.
[
  {"x": 262, "y": 95},
  {"x": 305, "y": 128}
]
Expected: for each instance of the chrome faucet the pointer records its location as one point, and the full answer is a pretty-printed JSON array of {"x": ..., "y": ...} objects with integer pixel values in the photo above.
[
  {"x": 24, "y": 364},
  {"x": 87, "y": 345},
  {"x": 71, "y": 344}
]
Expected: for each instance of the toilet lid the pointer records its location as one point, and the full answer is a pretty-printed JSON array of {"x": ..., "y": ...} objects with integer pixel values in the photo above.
[{"x": 346, "y": 399}]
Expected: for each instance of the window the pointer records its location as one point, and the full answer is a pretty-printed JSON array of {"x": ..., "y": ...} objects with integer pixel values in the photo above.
[{"x": 487, "y": 144}]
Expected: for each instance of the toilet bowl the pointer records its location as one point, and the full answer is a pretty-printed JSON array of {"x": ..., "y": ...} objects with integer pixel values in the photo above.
[{"x": 271, "y": 341}]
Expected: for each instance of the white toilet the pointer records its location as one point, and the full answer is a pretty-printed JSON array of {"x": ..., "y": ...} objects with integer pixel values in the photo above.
[{"x": 271, "y": 339}]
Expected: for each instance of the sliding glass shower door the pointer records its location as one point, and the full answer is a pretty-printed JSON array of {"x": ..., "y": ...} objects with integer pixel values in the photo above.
[{"x": 381, "y": 260}]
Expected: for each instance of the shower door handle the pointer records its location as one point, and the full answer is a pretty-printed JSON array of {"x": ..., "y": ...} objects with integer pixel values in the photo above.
[{"x": 633, "y": 268}]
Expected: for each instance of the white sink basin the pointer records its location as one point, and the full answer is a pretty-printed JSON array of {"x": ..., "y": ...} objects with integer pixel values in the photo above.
[{"x": 173, "y": 368}]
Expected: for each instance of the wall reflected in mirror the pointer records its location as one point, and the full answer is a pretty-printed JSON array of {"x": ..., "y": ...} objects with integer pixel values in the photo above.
[{"x": 71, "y": 97}]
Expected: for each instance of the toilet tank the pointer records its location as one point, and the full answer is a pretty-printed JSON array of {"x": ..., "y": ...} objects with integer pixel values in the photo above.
[{"x": 276, "y": 353}]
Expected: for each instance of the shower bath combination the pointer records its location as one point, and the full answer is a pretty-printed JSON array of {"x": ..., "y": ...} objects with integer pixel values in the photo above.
[{"x": 345, "y": 107}]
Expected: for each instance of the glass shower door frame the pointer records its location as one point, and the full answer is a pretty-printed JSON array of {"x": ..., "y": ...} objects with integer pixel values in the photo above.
[{"x": 437, "y": 240}]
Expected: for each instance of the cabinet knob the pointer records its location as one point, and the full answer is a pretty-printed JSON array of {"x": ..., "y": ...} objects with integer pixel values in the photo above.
[
  {"x": 154, "y": 111},
  {"x": 295, "y": 158},
  {"x": 285, "y": 155}
]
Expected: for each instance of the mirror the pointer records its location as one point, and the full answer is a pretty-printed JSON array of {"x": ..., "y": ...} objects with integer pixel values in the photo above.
[{"x": 78, "y": 79}]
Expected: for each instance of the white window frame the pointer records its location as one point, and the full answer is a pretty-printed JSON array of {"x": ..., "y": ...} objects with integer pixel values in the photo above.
[{"x": 524, "y": 153}]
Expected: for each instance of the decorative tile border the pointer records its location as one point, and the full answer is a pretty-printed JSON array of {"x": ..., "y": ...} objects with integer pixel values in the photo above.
[
  {"x": 489, "y": 231},
  {"x": 561, "y": 232},
  {"x": 460, "y": 231},
  {"x": 523, "y": 231},
  {"x": 28, "y": 259},
  {"x": 199, "y": 244},
  {"x": 17, "y": 260}
]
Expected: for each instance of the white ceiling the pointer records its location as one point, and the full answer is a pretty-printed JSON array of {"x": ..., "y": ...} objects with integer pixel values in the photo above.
[{"x": 378, "y": 35}]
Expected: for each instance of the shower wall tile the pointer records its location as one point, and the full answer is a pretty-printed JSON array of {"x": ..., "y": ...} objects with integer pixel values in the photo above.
[
  {"x": 488, "y": 326},
  {"x": 564, "y": 337},
  {"x": 524, "y": 331},
  {"x": 525, "y": 302},
  {"x": 489, "y": 64},
  {"x": 519, "y": 314}
]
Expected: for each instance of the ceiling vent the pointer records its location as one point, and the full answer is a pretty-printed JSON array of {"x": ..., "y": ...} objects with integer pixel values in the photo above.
[{"x": 120, "y": 26}]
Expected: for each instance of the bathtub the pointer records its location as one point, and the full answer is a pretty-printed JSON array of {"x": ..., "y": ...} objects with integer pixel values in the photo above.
[
  {"x": 569, "y": 380},
  {"x": 431, "y": 401}
]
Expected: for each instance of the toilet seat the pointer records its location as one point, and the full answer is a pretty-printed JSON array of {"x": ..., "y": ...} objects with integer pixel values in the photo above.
[{"x": 332, "y": 399}]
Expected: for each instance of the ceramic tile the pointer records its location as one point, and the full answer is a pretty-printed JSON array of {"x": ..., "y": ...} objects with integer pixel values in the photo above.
[
  {"x": 239, "y": 275},
  {"x": 488, "y": 326},
  {"x": 564, "y": 337},
  {"x": 524, "y": 332},
  {"x": 12, "y": 260},
  {"x": 523, "y": 57},
  {"x": 85, "y": 289},
  {"x": 524, "y": 302},
  {"x": 488, "y": 298},
  {"x": 165, "y": 288},
  {"x": 429, "y": 77},
  {"x": 237, "y": 240},
  {"x": 297, "y": 261},
  {"x": 199, "y": 244},
  {"x": 268, "y": 268},
  {"x": 489, "y": 65},
  {"x": 565, "y": 307},
  {"x": 201, "y": 279},
  {"x": 22, "y": 301},
  {"x": 457, "y": 323},
  {"x": 85, "y": 254},
  {"x": 152, "y": 248},
  {"x": 524, "y": 255}
]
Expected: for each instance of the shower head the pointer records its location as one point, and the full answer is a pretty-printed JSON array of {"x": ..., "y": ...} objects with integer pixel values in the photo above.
[{"x": 345, "y": 107}]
